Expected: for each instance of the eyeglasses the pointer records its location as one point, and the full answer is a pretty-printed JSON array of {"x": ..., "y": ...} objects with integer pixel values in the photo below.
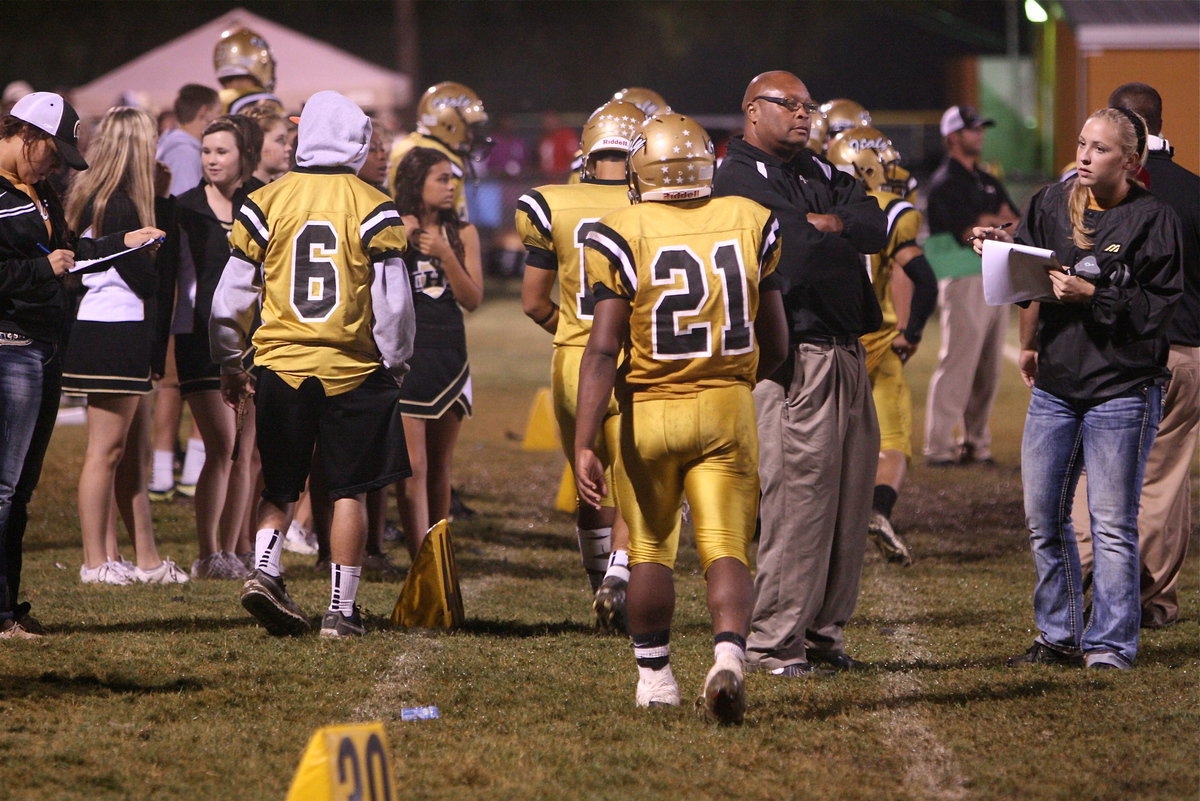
[{"x": 791, "y": 105}]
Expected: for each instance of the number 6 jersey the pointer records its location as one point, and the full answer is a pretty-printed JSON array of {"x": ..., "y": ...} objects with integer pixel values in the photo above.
[
  {"x": 692, "y": 272},
  {"x": 325, "y": 250}
]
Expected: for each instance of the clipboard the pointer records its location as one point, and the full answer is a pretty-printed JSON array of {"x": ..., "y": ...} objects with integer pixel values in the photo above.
[
  {"x": 88, "y": 264},
  {"x": 1015, "y": 273}
]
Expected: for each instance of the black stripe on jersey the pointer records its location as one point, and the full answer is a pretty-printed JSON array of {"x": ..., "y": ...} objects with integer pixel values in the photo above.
[
  {"x": 771, "y": 282},
  {"x": 601, "y": 292},
  {"x": 614, "y": 247},
  {"x": 770, "y": 240},
  {"x": 909, "y": 243},
  {"x": 238, "y": 254},
  {"x": 255, "y": 222},
  {"x": 390, "y": 253},
  {"x": 540, "y": 258},
  {"x": 537, "y": 209},
  {"x": 382, "y": 221}
]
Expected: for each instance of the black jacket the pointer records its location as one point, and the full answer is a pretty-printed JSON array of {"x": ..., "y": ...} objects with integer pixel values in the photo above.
[
  {"x": 32, "y": 300},
  {"x": 1099, "y": 350},
  {"x": 827, "y": 291},
  {"x": 1180, "y": 189}
]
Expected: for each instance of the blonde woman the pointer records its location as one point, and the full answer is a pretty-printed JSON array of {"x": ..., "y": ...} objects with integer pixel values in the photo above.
[
  {"x": 116, "y": 349},
  {"x": 1096, "y": 359}
]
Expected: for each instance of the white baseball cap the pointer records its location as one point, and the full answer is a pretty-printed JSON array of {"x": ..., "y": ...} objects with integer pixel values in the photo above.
[
  {"x": 956, "y": 118},
  {"x": 52, "y": 114}
]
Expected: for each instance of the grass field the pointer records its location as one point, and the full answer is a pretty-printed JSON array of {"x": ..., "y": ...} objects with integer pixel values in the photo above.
[{"x": 173, "y": 693}]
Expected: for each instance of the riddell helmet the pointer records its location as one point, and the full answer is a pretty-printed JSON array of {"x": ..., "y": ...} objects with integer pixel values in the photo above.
[
  {"x": 648, "y": 100},
  {"x": 242, "y": 52},
  {"x": 453, "y": 114},
  {"x": 842, "y": 115},
  {"x": 610, "y": 128},
  {"x": 670, "y": 158},
  {"x": 857, "y": 151},
  {"x": 817, "y": 132}
]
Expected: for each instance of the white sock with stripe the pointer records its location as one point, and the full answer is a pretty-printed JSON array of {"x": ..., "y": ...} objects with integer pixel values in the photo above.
[
  {"x": 344, "y": 581},
  {"x": 268, "y": 546},
  {"x": 618, "y": 565}
]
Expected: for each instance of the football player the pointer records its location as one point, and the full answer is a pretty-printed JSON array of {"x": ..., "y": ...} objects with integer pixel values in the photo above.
[
  {"x": 554, "y": 221},
  {"x": 906, "y": 296},
  {"x": 321, "y": 250},
  {"x": 649, "y": 101},
  {"x": 684, "y": 289},
  {"x": 450, "y": 119},
  {"x": 246, "y": 70}
]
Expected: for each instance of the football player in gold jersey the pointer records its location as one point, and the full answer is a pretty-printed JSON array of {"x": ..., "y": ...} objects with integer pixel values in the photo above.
[
  {"x": 906, "y": 289},
  {"x": 246, "y": 69},
  {"x": 450, "y": 119},
  {"x": 321, "y": 249},
  {"x": 685, "y": 290},
  {"x": 554, "y": 221}
]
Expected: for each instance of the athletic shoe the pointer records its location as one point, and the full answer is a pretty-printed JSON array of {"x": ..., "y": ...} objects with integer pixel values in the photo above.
[
  {"x": 458, "y": 509},
  {"x": 266, "y": 597},
  {"x": 12, "y": 629},
  {"x": 794, "y": 670},
  {"x": 1042, "y": 654},
  {"x": 247, "y": 560},
  {"x": 300, "y": 540},
  {"x": 162, "y": 496},
  {"x": 106, "y": 573},
  {"x": 380, "y": 563},
  {"x": 609, "y": 605},
  {"x": 392, "y": 532},
  {"x": 211, "y": 567},
  {"x": 658, "y": 690},
  {"x": 838, "y": 660},
  {"x": 27, "y": 621},
  {"x": 724, "y": 697},
  {"x": 335, "y": 624},
  {"x": 889, "y": 543},
  {"x": 186, "y": 490},
  {"x": 234, "y": 568},
  {"x": 166, "y": 573}
]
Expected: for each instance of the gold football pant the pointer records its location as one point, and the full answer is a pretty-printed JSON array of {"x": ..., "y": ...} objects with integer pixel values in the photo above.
[
  {"x": 564, "y": 390},
  {"x": 893, "y": 402},
  {"x": 705, "y": 445}
]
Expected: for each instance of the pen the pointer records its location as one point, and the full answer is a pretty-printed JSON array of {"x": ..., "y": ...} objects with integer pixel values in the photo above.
[
  {"x": 43, "y": 248},
  {"x": 993, "y": 228}
]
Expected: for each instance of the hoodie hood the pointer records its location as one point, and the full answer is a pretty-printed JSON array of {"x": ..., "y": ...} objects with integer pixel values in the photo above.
[{"x": 334, "y": 132}]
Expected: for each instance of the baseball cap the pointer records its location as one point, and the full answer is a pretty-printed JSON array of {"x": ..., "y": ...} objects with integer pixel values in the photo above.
[
  {"x": 52, "y": 114},
  {"x": 957, "y": 118}
]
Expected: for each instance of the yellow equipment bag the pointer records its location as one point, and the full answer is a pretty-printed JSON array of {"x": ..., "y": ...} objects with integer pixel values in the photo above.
[{"x": 430, "y": 597}]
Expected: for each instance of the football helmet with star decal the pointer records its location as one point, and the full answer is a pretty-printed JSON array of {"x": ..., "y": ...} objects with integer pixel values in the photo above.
[
  {"x": 454, "y": 115},
  {"x": 842, "y": 115},
  {"x": 648, "y": 100},
  {"x": 670, "y": 158},
  {"x": 610, "y": 128},
  {"x": 240, "y": 51}
]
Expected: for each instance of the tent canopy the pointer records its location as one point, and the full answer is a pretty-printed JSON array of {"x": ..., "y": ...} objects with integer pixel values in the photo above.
[{"x": 303, "y": 66}]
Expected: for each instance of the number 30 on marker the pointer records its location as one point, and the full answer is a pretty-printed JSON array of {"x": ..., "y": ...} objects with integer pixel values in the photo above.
[{"x": 345, "y": 763}]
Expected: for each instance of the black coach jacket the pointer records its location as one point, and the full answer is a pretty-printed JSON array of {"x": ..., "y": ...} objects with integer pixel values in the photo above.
[{"x": 827, "y": 288}]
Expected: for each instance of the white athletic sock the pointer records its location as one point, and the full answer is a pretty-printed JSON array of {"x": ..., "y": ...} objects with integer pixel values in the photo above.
[
  {"x": 344, "y": 579},
  {"x": 732, "y": 649},
  {"x": 193, "y": 462},
  {"x": 618, "y": 565},
  {"x": 162, "y": 475},
  {"x": 594, "y": 547},
  {"x": 268, "y": 546}
]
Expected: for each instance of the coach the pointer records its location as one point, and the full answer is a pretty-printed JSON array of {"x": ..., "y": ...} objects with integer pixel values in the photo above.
[{"x": 818, "y": 435}]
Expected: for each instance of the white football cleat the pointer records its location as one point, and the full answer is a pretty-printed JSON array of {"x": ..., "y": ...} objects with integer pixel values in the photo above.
[{"x": 659, "y": 689}]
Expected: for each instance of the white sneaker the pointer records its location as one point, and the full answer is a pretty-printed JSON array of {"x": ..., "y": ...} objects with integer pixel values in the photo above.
[
  {"x": 233, "y": 566},
  {"x": 724, "y": 698},
  {"x": 166, "y": 573},
  {"x": 106, "y": 573},
  {"x": 659, "y": 689},
  {"x": 300, "y": 540}
]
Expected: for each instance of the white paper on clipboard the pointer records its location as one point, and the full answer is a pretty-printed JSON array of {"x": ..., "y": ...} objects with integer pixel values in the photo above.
[
  {"x": 83, "y": 264},
  {"x": 1014, "y": 273}
]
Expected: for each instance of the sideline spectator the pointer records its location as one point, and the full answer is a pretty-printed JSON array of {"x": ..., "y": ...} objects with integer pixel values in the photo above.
[
  {"x": 117, "y": 348},
  {"x": 1096, "y": 361},
  {"x": 817, "y": 460},
  {"x": 179, "y": 148},
  {"x": 510, "y": 154},
  {"x": 557, "y": 147},
  {"x": 961, "y": 197},
  {"x": 36, "y": 250},
  {"x": 276, "y": 157}
]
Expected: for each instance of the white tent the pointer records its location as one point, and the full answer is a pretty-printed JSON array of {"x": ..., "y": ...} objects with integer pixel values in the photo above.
[{"x": 303, "y": 66}]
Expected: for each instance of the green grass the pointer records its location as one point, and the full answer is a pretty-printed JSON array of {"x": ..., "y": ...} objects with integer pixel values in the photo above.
[{"x": 172, "y": 693}]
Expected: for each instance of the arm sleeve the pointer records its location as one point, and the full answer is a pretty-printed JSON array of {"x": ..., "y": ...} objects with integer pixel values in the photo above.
[
  {"x": 395, "y": 321},
  {"x": 924, "y": 300},
  {"x": 1144, "y": 302},
  {"x": 137, "y": 270},
  {"x": 233, "y": 307},
  {"x": 18, "y": 276}
]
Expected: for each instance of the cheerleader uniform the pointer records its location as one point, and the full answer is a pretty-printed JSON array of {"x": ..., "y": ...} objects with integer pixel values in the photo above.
[{"x": 439, "y": 376}]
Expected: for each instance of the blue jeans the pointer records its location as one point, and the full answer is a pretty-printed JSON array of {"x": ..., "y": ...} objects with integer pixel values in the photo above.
[
  {"x": 30, "y": 384},
  {"x": 1112, "y": 439}
]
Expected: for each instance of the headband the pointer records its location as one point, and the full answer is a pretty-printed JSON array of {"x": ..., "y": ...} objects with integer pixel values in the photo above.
[{"x": 1139, "y": 128}]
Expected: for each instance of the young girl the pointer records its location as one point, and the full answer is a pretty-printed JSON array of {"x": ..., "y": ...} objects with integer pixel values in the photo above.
[
  {"x": 229, "y": 156},
  {"x": 447, "y": 276},
  {"x": 276, "y": 157},
  {"x": 116, "y": 351}
]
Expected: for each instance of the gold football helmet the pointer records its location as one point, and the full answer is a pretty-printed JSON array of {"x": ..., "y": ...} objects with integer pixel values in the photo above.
[
  {"x": 648, "y": 100},
  {"x": 842, "y": 115},
  {"x": 817, "y": 132},
  {"x": 453, "y": 114},
  {"x": 670, "y": 158},
  {"x": 611, "y": 127},
  {"x": 242, "y": 52},
  {"x": 857, "y": 153}
]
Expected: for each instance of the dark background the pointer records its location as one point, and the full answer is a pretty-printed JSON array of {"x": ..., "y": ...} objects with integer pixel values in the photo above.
[{"x": 526, "y": 56}]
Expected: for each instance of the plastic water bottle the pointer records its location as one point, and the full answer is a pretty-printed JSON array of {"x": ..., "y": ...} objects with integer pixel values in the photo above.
[{"x": 419, "y": 713}]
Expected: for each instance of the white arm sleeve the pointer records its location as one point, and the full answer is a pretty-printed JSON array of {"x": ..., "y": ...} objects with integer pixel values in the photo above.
[
  {"x": 395, "y": 322},
  {"x": 233, "y": 306}
]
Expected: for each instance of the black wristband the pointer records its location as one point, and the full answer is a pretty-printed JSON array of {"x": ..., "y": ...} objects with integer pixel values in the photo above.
[{"x": 546, "y": 319}]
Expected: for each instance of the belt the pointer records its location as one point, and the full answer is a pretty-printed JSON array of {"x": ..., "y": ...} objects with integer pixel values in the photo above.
[{"x": 830, "y": 341}]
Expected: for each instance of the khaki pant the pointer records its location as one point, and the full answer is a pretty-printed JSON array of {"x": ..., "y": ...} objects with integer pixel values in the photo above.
[
  {"x": 968, "y": 373},
  {"x": 1165, "y": 519},
  {"x": 818, "y": 445}
]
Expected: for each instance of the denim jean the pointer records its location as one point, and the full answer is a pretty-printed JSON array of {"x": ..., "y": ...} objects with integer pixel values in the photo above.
[
  {"x": 1112, "y": 439},
  {"x": 30, "y": 384}
]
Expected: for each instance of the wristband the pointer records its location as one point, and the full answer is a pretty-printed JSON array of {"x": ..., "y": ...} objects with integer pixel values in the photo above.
[{"x": 552, "y": 312}]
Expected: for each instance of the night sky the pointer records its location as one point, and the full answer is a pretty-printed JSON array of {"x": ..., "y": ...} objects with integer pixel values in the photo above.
[{"x": 566, "y": 55}]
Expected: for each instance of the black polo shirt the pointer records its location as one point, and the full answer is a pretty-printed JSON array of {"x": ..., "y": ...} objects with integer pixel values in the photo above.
[{"x": 957, "y": 196}]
